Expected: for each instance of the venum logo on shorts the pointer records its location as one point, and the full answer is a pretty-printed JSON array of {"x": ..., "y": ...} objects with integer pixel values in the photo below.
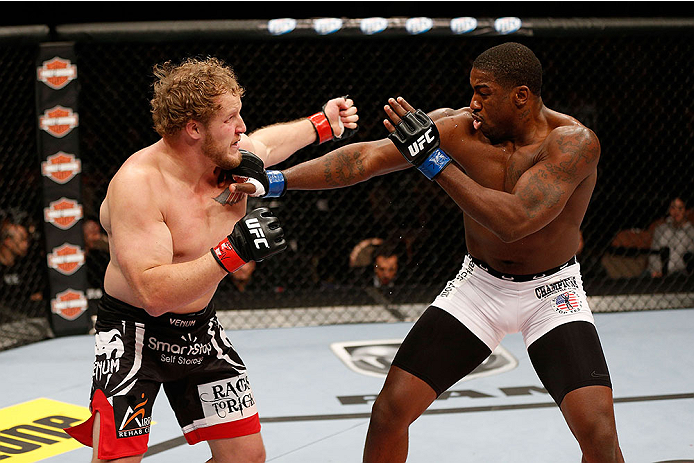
[
  {"x": 137, "y": 418},
  {"x": 227, "y": 400},
  {"x": 109, "y": 349}
]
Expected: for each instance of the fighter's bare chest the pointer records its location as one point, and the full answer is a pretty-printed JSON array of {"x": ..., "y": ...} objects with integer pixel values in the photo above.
[
  {"x": 200, "y": 222},
  {"x": 500, "y": 167}
]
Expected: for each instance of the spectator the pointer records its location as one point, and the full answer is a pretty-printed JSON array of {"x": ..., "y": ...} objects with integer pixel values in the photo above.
[
  {"x": 20, "y": 290},
  {"x": 243, "y": 277},
  {"x": 15, "y": 243},
  {"x": 673, "y": 243},
  {"x": 385, "y": 267}
]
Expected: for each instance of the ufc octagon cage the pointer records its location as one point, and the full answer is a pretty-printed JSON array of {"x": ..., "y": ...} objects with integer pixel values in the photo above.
[{"x": 75, "y": 99}]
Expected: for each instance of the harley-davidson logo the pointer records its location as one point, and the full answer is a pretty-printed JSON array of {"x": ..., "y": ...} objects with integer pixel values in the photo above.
[
  {"x": 56, "y": 73},
  {"x": 63, "y": 213},
  {"x": 61, "y": 167},
  {"x": 58, "y": 121},
  {"x": 69, "y": 304},
  {"x": 66, "y": 259}
]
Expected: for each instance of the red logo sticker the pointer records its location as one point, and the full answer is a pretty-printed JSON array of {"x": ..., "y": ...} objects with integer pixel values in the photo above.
[
  {"x": 69, "y": 304},
  {"x": 61, "y": 167},
  {"x": 66, "y": 258},
  {"x": 56, "y": 72},
  {"x": 63, "y": 213},
  {"x": 58, "y": 121}
]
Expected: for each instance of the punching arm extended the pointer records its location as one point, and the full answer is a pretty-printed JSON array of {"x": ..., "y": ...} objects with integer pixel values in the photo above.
[
  {"x": 346, "y": 166},
  {"x": 337, "y": 120},
  {"x": 342, "y": 167}
]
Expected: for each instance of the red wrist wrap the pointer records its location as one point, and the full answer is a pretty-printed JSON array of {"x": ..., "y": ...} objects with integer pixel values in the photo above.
[
  {"x": 226, "y": 256},
  {"x": 322, "y": 126}
]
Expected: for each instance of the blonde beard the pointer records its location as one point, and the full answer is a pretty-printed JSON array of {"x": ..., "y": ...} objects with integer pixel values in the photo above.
[{"x": 220, "y": 157}]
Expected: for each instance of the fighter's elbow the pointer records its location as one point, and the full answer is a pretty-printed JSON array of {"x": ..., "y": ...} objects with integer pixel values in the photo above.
[
  {"x": 153, "y": 304},
  {"x": 508, "y": 235},
  {"x": 511, "y": 233},
  {"x": 155, "y": 309}
]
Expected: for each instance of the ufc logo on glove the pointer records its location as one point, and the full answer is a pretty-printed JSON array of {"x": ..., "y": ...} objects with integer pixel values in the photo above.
[
  {"x": 417, "y": 139},
  {"x": 236, "y": 249},
  {"x": 417, "y": 146},
  {"x": 255, "y": 229}
]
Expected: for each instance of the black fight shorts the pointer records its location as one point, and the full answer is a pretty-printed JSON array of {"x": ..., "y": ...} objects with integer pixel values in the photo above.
[{"x": 204, "y": 379}]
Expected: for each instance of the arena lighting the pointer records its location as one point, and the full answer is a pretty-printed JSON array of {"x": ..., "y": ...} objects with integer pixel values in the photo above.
[
  {"x": 371, "y": 26},
  {"x": 325, "y": 26},
  {"x": 463, "y": 25},
  {"x": 376, "y": 25},
  {"x": 507, "y": 25}
]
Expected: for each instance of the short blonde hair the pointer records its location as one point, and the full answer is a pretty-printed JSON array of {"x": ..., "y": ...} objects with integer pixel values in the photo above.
[{"x": 188, "y": 90}]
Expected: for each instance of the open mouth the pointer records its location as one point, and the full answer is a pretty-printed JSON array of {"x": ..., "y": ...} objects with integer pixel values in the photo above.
[{"x": 476, "y": 121}]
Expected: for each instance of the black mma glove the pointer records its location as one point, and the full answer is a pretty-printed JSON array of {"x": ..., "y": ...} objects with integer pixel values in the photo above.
[
  {"x": 417, "y": 138},
  {"x": 324, "y": 131},
  {"x": 256, "y": 236},
  {"x": 268, "y": 183}
]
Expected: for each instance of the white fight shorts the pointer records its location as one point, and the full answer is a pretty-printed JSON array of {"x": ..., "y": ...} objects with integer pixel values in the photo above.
[{"x": 491, "y": 304}]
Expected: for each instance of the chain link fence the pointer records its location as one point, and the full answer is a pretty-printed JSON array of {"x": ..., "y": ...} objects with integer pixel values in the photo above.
[{"x": 633, "y": 89}]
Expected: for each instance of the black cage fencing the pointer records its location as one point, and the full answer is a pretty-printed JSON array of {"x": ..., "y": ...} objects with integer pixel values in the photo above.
[{"x": 632, "y": 84}]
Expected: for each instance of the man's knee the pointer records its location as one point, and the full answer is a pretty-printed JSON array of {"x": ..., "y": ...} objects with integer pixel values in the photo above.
[
  {"x": 387, "y": 410},
  {"x": 252, "y": 456},
  {"x": 589, "y": 412},
  {"x": 599, "y": 439},
  {"x": 395, "y": 410},
  {"x": 246, "y": 449}
]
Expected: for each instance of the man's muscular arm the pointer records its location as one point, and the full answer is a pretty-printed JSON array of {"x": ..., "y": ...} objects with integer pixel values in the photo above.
[
  {"x": 541, "y": 192},
  {"x": 275, "y": 143},
  {"x": 142, "y": 248},
  {"x": 346, "y": 166}
]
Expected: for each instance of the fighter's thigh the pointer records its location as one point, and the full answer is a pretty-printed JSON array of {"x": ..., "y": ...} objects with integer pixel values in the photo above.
[
  {"x": 213, "y": 398},
  {"x": 569, "y": 357},
  {"x": 440, "y": 350},
  {"x": 95, "y": 437},
  {"x": 244, "y": 449}
]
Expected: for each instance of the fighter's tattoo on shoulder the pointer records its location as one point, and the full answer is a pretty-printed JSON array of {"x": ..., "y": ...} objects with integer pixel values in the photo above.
[
  {"x": 342, "y": 167},
  {"x": 546, "y": 185},
  {"x": 576, "y": 150}
]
